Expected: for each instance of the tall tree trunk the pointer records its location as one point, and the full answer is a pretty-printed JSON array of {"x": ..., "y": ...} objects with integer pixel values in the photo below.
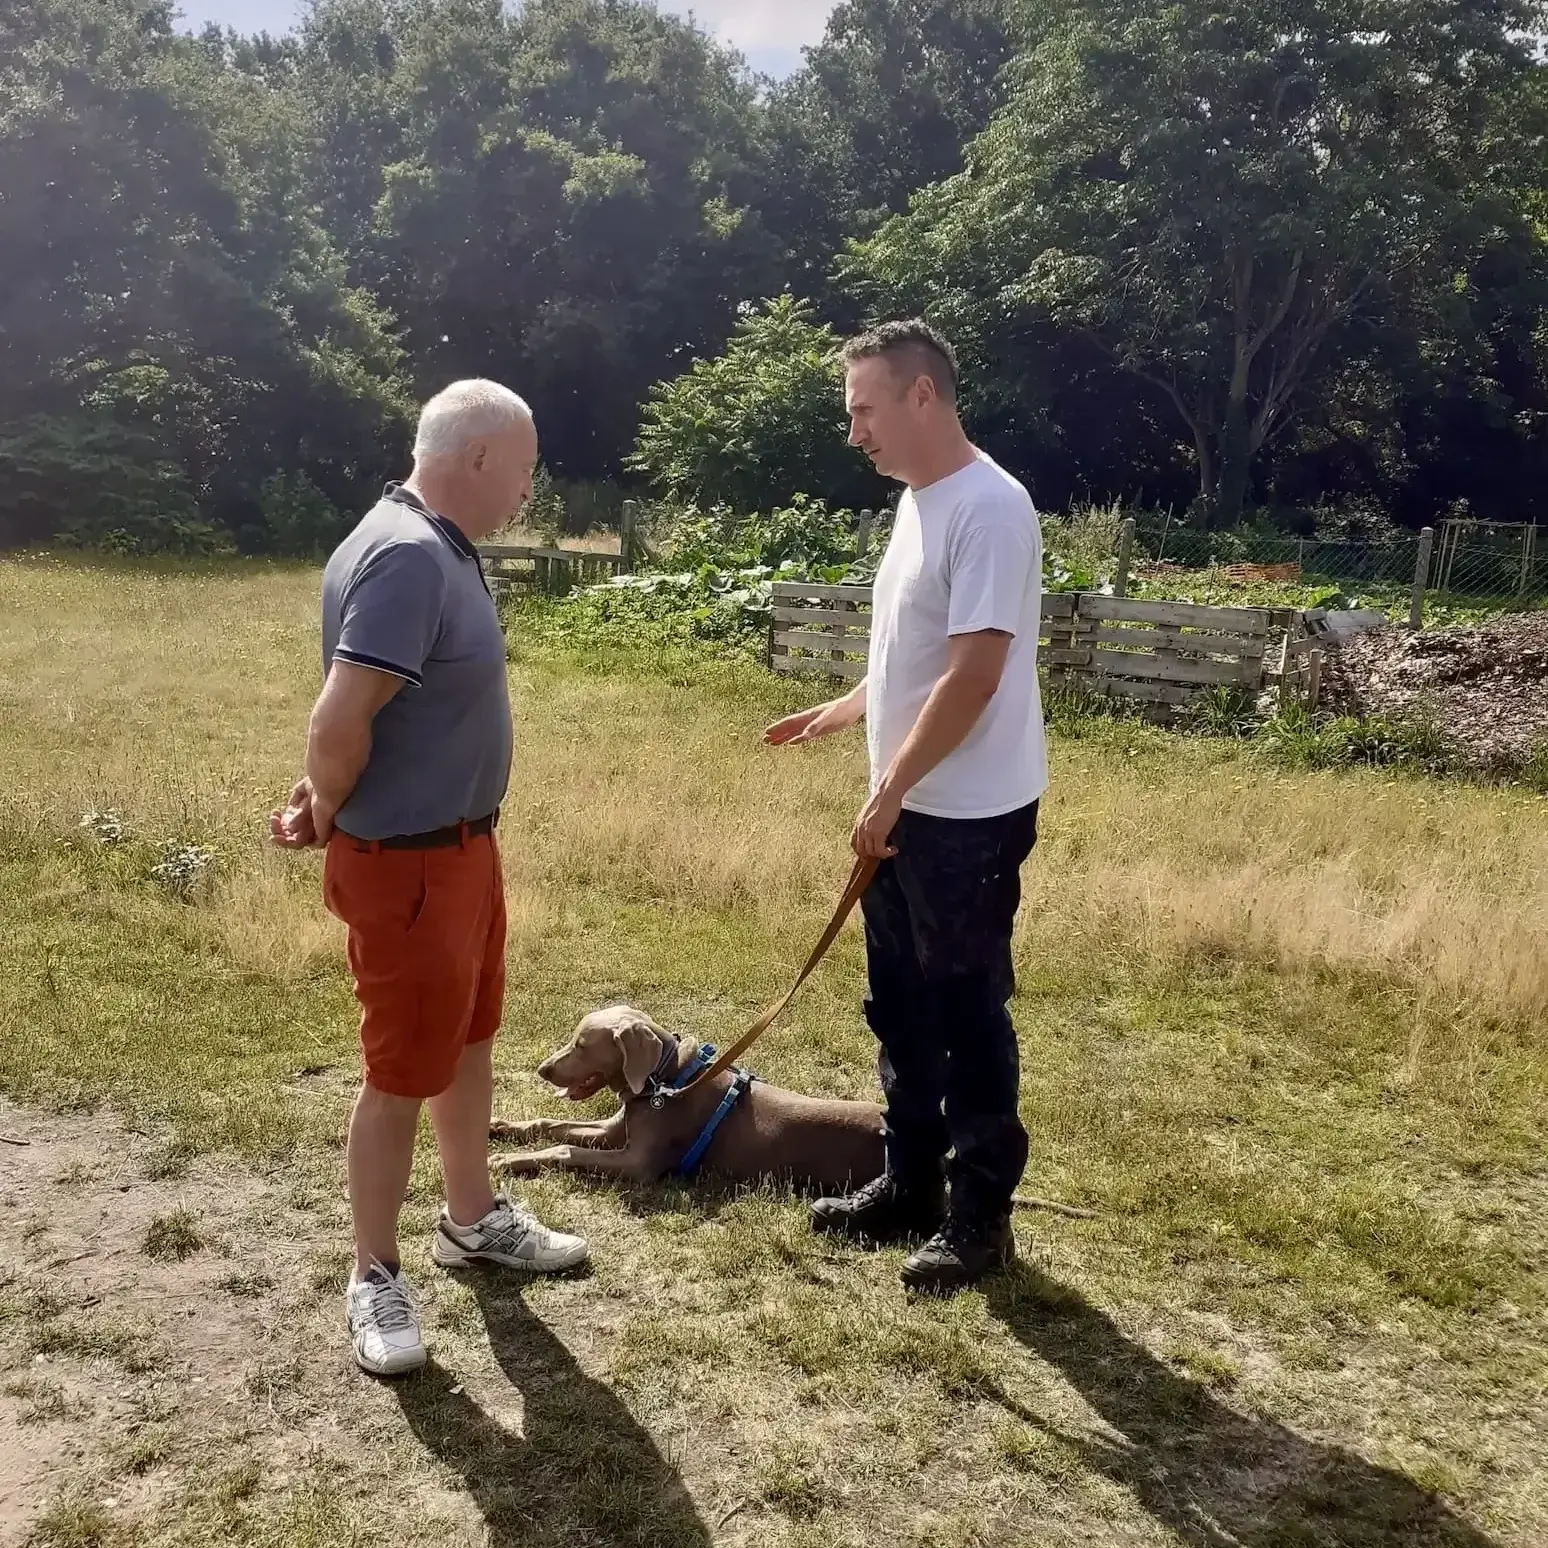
[
  {"x": 1206, "y": 450},
  {"x": 1235, "y": 471}
]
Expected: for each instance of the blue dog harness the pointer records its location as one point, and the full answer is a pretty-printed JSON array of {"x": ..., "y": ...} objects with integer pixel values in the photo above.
[{"x": 740, "y": 1081}]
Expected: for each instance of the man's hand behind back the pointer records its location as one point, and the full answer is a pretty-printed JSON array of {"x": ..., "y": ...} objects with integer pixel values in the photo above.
[{"x": 302, "y": 824}]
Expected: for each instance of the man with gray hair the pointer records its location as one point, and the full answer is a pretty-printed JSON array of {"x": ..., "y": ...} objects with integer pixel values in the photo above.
[{"x": 407, "y": 760}]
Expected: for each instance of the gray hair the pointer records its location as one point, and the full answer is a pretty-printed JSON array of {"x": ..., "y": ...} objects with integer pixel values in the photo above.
[{"x": 466, "y": 411}]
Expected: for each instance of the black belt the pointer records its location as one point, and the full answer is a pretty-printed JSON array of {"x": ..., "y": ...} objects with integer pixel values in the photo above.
[{"x": 437, "y": 838}]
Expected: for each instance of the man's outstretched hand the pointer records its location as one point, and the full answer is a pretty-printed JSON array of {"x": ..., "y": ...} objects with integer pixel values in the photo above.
[
  {"x": 821, "y": 720},
  {"x": 304, "y": 823},
  {"x": 800, "y": 727}
]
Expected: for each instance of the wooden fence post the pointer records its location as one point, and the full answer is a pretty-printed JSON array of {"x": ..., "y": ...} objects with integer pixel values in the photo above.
[
  {"x": 1421, "y": 578},
  {"x": 863, "y": 535},
  {"x": 1125, "y": 553},
  {"x": 626, "y": 533}
]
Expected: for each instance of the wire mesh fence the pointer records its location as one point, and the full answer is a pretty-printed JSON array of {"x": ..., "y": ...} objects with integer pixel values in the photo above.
[
  {"x": 1256, "y": 557},
  {"x": 1489, "y": 559},
  {"x": 1461, "y": 565}
]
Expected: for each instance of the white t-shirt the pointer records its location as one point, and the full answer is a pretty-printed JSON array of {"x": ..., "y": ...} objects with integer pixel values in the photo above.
[{"x": 966, "y": 554}]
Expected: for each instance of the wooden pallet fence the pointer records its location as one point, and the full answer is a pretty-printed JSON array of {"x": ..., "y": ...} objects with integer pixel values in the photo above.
[
  {"x": 1163, "y": 655},
  {"x": 552, "y": 570},
  {"x": 821, "y": 629},
  {"x": 1297, "y": 669}
]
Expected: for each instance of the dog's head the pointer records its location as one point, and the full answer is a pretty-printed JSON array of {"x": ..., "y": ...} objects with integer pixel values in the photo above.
[{"x": 618, "y": 1047}]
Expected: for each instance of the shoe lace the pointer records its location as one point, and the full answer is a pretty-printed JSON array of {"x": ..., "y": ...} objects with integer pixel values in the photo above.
[
  {"x": 957, "y": 1234},
  {"x": 951, "y": 1238},
  {"x": 507, "y": 1227},
  {"x": 878, "y": 1188},
  {"x": 392, "y": 1304}
]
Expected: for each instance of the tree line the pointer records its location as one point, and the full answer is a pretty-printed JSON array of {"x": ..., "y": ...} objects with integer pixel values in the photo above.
[{"x": 1284, "y": 262}]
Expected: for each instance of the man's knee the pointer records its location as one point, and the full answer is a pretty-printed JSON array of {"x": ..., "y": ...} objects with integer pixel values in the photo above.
[
  {"x": 975, "y": 1006},
  {"x": 379, "y": 1102}
]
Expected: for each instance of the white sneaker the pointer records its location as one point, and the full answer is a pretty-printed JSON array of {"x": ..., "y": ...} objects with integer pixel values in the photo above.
[
  {"x": 507, "y": 1236},
  {"x": 384, "y": 1323}
]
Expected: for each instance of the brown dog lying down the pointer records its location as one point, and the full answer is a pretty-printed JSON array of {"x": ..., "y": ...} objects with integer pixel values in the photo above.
[{"x": 767, "y": 1132}]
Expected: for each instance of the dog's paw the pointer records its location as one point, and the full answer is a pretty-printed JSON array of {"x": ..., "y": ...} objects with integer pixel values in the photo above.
[
  {"x": 524, "y": 1133},
  {"x": 514, "y": 1164}
]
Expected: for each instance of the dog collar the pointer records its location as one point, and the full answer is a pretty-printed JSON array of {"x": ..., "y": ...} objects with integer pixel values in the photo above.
[{"x": 658, "y": 1088}]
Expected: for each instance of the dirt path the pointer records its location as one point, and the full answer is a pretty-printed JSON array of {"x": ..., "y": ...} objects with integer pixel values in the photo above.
[
  {"x": 134, "y": 1313},
  {"x": 173, "y": 1370}
]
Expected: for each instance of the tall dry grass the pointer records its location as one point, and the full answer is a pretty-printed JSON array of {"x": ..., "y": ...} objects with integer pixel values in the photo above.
[
  {"x": 1442, "y": 889},
  {"x": 596, "y": 541},
  {"x": 181, "y": 700}
]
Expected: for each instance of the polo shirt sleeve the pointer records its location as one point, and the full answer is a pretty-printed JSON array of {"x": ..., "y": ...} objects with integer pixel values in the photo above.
[
  {"x": 993, "y": 555},
  {"x": 392, "y": 612}
]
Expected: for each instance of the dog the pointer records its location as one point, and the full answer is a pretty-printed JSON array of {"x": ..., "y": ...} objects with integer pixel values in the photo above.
[{"x": 765, "y": 1132}]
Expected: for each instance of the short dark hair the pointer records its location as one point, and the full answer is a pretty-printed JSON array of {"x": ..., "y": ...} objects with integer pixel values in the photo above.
[{"x": 914, "y": 344}]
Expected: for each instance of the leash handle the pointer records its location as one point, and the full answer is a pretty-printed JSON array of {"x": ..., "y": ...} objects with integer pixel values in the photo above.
[{"x": 859, "y": 880}]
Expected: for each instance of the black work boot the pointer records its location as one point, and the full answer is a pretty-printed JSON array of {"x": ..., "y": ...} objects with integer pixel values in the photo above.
[
  {"x": 960, "y": 1254},
  {"x": 884, "y": 1211}
]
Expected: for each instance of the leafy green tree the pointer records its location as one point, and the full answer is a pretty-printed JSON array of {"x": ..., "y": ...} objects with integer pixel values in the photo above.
[
  {"x": 758, "y": 424},
  {"x": 98, "y": 485},
  {"x": 882, "y": 107},
  {"x": 1421, "y": 408},
  {"x": 164, "y": 287},
  {"x": 580, "y": 226},
  {"x": 1208, "y": 196}
]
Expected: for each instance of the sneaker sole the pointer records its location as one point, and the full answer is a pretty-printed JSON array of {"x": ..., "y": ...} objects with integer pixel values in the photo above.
[
  {"x": 396, "y": 1367},
  {"x": 451, "y": 1254}
]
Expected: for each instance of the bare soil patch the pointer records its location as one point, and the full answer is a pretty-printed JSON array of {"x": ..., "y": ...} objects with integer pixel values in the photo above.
[{"x": 134, "y": 1307}]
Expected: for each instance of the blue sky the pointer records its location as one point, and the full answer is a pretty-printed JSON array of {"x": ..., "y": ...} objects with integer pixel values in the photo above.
[{"x": 770, "y": 33}]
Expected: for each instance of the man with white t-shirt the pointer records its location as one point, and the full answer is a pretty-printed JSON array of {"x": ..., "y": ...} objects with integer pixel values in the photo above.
[{"x": 955, "y": 731}]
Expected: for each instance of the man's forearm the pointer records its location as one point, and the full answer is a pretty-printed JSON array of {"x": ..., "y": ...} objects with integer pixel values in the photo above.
[
  {"x": 954, "y": 707},
  {"x": 338, "y": 740},
  {"x": 337, "y": 749},
  {"x": 852, "y": 706}
]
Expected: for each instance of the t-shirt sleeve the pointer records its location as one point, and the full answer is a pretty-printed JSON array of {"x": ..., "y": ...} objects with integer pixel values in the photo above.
[
  {"x": 392, "y": 612},
  {"x": 993, "y": 555}
]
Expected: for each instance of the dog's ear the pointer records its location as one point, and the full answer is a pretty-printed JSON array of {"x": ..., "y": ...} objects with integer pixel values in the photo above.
[{"x": 640, "y": 1049}]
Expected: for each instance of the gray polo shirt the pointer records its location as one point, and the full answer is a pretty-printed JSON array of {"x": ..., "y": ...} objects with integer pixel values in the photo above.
[{"x": 405, "y": 593}]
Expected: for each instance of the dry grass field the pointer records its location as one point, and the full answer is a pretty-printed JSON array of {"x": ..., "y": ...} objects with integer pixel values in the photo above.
[{"x": 1283, "y": 1033}]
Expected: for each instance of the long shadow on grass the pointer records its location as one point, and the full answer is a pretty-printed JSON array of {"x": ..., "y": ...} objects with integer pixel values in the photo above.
[
  {"x": 581, "y": 1470},
  {"x": 1210, "y": 1474}
]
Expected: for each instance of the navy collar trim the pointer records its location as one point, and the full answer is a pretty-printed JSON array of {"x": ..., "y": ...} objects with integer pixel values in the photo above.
[{"x": 448, "y": 529}]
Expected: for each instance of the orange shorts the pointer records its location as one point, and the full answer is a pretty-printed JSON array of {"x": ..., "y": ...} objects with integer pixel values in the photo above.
[{"x": 427, "y": 948}]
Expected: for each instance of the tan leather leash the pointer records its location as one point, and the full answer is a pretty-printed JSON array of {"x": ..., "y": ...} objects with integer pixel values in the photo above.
[{"x": 859, "y": 880}]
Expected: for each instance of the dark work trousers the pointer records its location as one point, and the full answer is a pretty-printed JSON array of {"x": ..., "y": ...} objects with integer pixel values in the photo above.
[{"x": 938, "y": 922}]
